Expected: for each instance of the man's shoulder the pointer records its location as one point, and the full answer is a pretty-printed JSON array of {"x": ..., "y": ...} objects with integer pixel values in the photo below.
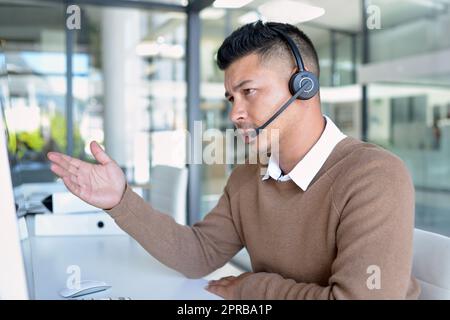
[
  {"x": 366, "y": 152},
  {"x": 370, "y": 173},
  {"x": 361, "y": 159}
]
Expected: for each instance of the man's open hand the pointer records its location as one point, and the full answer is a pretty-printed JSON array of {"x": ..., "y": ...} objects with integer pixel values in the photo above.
[
  {"x": 226, "y": 287},
  {"x": 101, "y": 185}
]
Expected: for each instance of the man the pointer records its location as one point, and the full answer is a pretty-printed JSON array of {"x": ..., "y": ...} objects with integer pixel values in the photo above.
[{"x": 331, "y": 218}]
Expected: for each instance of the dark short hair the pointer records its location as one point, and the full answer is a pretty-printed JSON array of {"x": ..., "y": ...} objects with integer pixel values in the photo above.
[{"x": 260, "y": 38}]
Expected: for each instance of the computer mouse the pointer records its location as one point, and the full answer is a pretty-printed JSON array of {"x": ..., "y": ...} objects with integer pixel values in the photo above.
[{"x": 85, "y": 287}]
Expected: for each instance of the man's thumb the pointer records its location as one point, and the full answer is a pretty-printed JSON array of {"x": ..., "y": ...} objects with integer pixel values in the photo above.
[{"x": 99, "y": 154}]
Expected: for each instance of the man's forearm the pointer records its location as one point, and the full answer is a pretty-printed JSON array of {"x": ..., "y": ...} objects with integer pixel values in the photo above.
[
  {"x": 190, "y": 250},
  {"x": 272, "y": 286}
]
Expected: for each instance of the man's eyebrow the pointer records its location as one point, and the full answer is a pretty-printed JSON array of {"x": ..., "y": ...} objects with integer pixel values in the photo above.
[{"x": 240, "y": 84}]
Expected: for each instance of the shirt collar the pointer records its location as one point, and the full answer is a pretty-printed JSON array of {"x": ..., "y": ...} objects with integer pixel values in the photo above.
[{"x": 307, "y": 168}]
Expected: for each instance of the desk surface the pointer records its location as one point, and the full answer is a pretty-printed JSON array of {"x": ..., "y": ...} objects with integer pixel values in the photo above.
[{"x": 117, "y": 260}]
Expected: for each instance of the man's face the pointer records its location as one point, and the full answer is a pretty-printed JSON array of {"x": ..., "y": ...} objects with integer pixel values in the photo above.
[{"x": 256, "y": 91}]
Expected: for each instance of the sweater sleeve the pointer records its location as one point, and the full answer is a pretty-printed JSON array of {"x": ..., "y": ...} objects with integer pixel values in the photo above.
[
  {"x": 373, "y": 239},
  {"x": 193, "y": 251}
]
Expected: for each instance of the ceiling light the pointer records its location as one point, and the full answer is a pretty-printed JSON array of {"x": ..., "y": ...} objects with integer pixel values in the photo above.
[
  {"x": 147, "y": 49},
  {"x": 288, "y": 11},
  {"x": 231, "y": 4},
  {"x": 153, "y": 48},
  {"x": 250, "y": 17},
  {"x": 212, "y": 14}
]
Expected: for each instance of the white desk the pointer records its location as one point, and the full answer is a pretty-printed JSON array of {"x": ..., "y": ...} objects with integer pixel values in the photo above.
[
  {"x": 119, "y": 261},
  {"x": 115, "y": 259}
]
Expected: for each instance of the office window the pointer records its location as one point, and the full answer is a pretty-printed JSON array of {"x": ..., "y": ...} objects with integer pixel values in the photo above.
[
  {"x": 344, "y": 64},
  {"x": 35, "y": 52},
  {"x": 128, "y": 84},
  {"x": 131, "y": 95},
  {"x": 409, "y": 28},
  {"x": 408, "y": 120},
  {"x": 407, "y": 115}
]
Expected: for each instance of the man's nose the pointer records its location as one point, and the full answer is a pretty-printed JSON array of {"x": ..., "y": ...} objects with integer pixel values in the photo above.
[{"x": 238, "y": 113}]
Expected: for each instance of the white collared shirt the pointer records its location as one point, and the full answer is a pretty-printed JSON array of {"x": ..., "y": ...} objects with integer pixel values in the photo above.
[{"x": 307, "y": 168}]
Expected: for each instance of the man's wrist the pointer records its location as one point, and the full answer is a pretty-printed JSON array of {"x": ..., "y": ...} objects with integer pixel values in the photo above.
[{"x": 120, "y": 205}]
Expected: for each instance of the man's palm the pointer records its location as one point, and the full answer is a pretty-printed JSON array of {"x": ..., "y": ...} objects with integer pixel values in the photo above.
[{"x": 101, "y": 185}]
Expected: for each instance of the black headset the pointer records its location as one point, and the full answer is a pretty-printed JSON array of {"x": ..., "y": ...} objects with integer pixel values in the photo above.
[{"x": 303, "y": 84}]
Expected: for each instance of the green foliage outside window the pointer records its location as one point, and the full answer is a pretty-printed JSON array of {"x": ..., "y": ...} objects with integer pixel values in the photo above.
[{"x": 33, "y": 141}]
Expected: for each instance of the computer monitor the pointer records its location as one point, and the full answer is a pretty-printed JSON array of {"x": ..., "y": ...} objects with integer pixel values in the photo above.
[{"x": 13, "y": 283}]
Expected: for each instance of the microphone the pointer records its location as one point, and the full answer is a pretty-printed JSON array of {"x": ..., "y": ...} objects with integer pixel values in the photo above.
[{"x": 282, "y": 108}]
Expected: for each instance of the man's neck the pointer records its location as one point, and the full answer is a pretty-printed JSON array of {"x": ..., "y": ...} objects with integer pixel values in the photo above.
[{"x": 299, "y": 142}]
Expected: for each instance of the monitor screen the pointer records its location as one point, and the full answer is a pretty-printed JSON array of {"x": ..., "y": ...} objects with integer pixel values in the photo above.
[{"x": 13, "y": 284}]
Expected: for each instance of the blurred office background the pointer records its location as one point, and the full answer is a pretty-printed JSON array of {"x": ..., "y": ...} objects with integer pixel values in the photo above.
[{"x": 138, "y": 73}]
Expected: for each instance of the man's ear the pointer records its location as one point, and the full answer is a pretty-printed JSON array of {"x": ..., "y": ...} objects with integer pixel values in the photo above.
[{"x": 292, "y": 72}]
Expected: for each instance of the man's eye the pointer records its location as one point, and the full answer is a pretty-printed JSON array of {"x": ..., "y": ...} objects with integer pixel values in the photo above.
[{"x": 249, "y": 91}]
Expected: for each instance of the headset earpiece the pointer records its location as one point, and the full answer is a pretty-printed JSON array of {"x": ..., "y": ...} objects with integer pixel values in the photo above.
[
  {"x": 306, "y": 80},
  {"x": 303, "y": 79},
  {"x": 303, "y": 84}
]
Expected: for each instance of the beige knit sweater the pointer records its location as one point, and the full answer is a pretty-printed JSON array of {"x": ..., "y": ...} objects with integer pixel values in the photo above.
[{"x": 349, "y": 236}]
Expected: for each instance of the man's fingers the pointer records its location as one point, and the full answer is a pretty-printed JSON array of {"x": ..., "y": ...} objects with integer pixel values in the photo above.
[
  {"x": 69, "y": 179},
  {"x": 68, "y": 169},
  {"x": 221, "y": 282},
  {"x": 68, "y": 163},
  {"x": 60, "y": 158},
  {"x": 72, "y": 161},
  {"x": 219, "y": 290},
  {"x": 99, "y": 154},
  {"x": 61, "y": 172},
  {"x": 221, "y": 279},
  {"x": 55, "y": 157}
]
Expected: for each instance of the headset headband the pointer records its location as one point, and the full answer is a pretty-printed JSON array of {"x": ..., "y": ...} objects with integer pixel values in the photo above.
[{"x": 294, "y": 49}]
